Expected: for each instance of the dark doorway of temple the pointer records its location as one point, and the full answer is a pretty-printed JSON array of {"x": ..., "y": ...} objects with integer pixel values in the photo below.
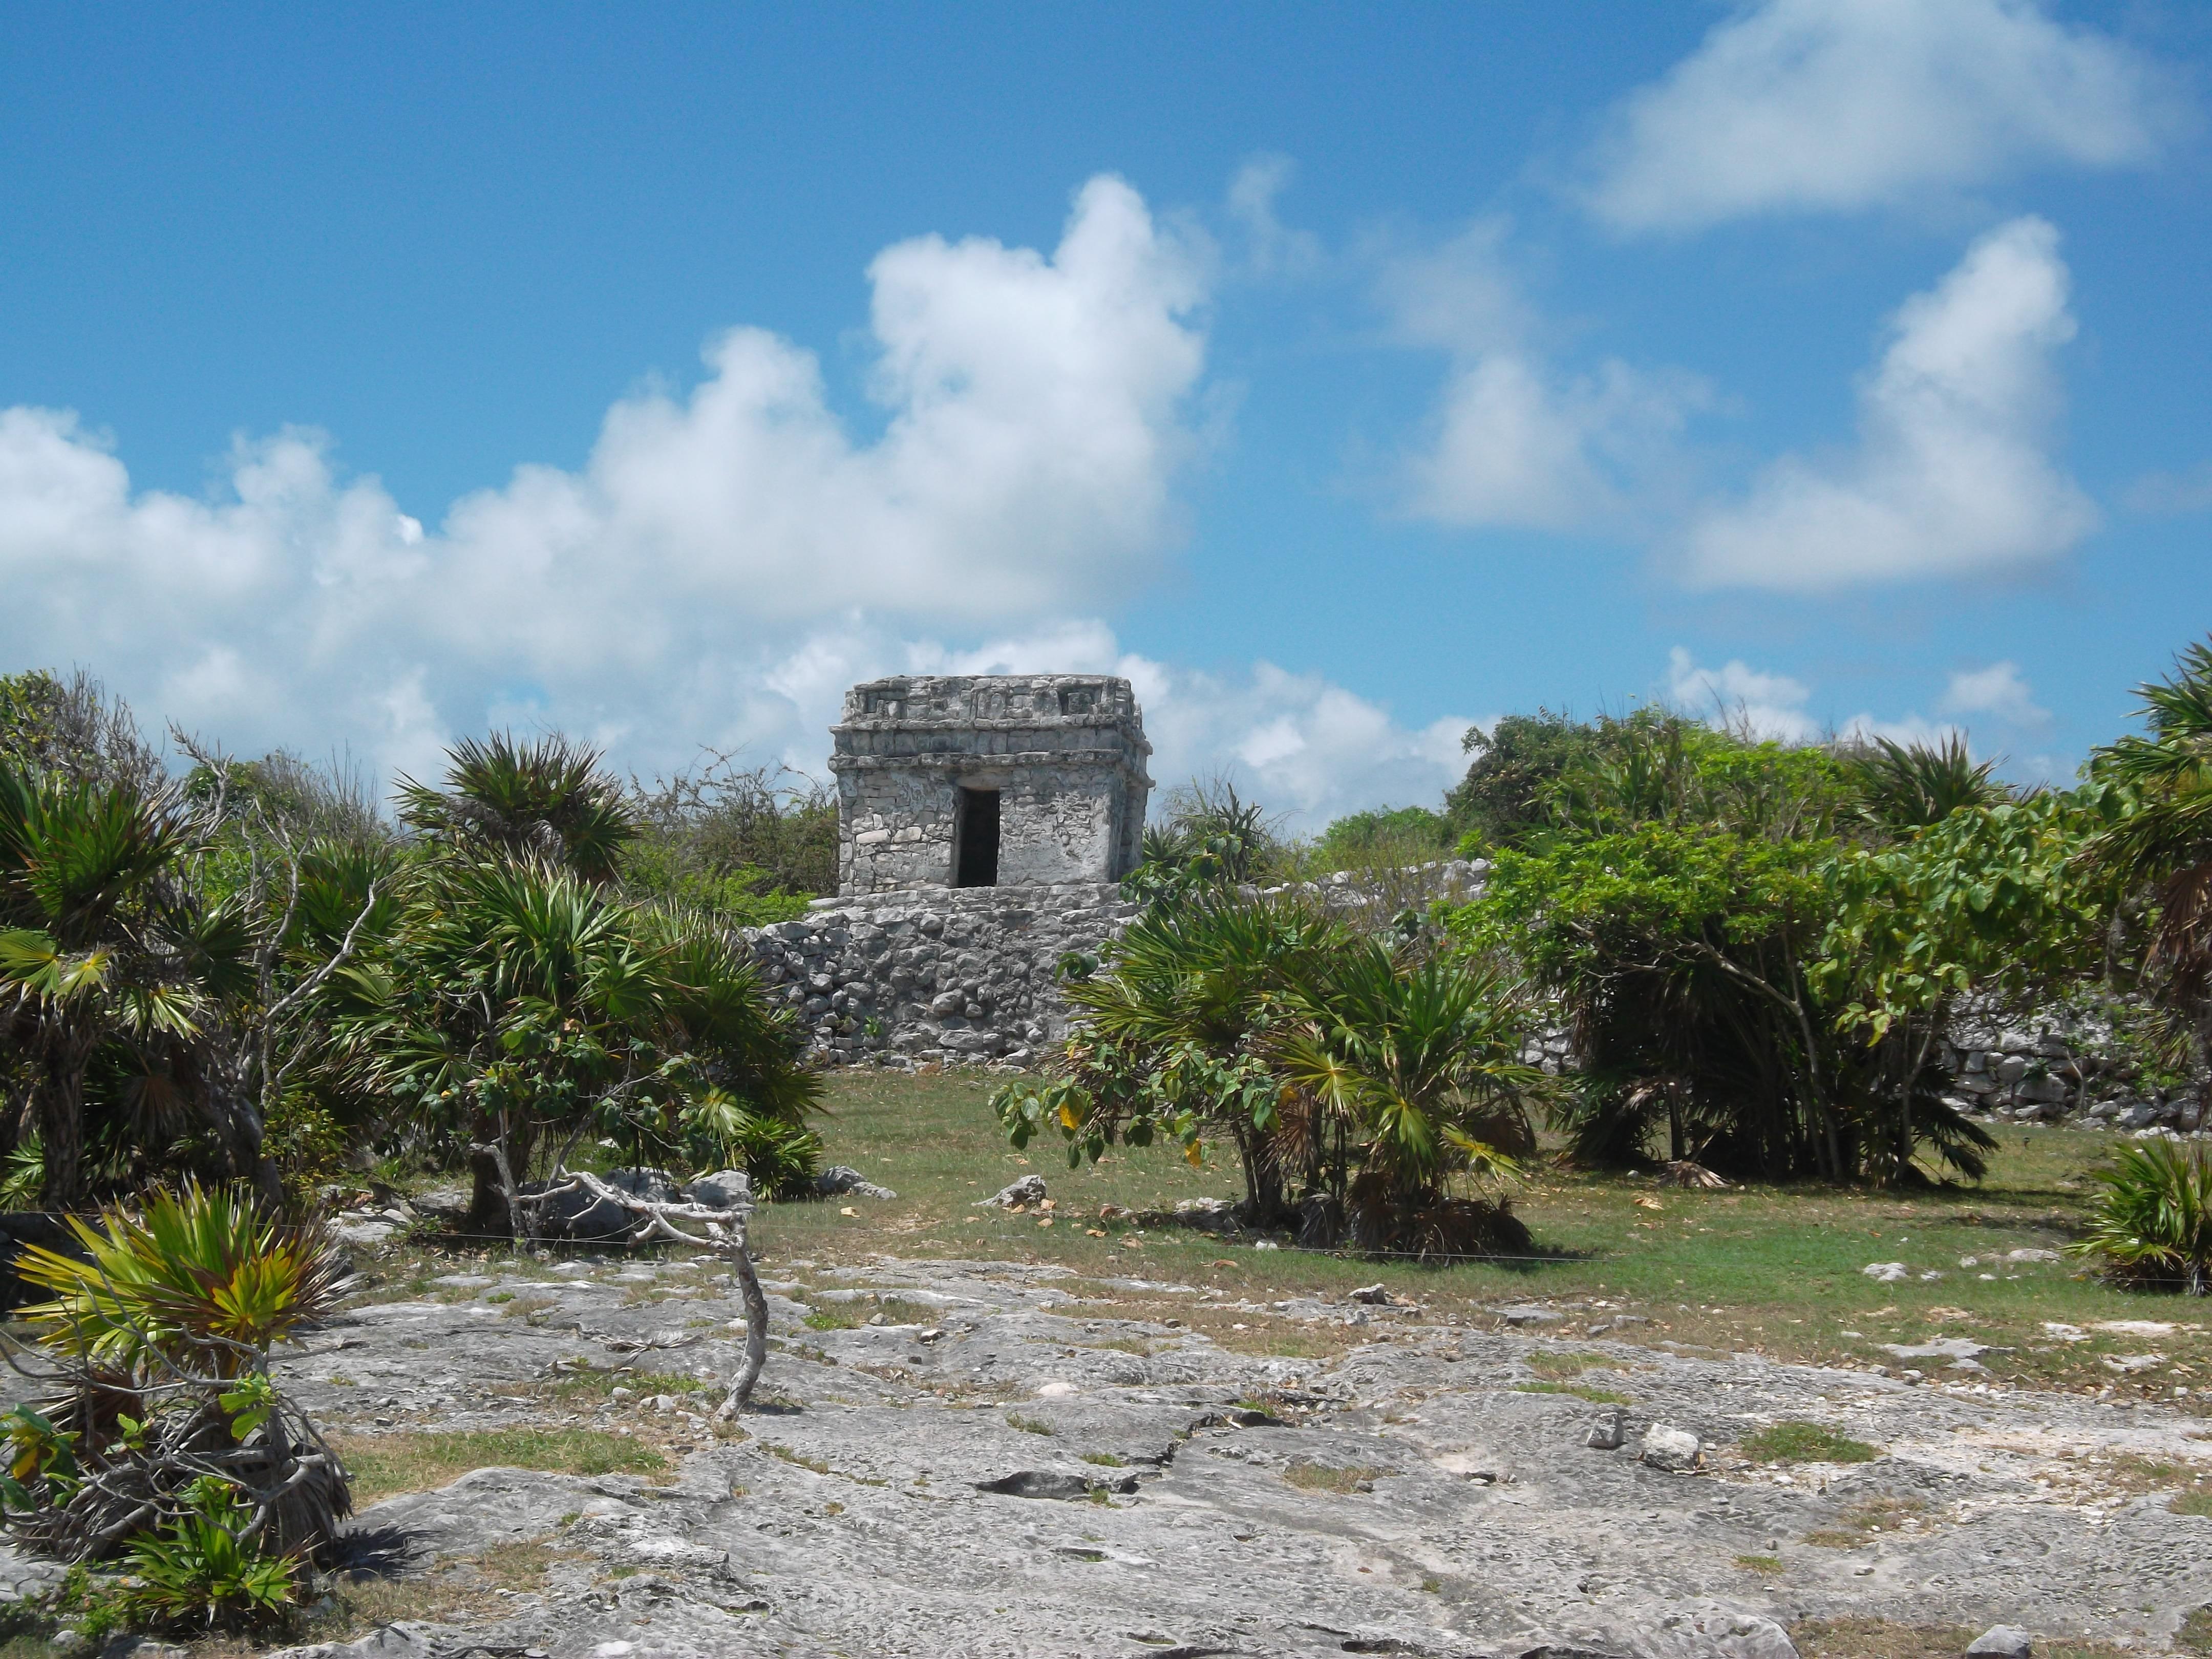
[{"x": 975, "y": 839}]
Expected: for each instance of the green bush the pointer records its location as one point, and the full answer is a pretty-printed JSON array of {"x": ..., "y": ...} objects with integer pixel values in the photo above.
[
  {"x": 2152, "y": 1220},
  {"x": 783, "y": 1158},
  {"x": 1792, "y": 1442},
  {"x": 200, "y": 1573},
  {"x": 153, "y": 1361}
]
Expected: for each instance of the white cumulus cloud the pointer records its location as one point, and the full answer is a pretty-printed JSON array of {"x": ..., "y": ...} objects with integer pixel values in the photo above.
[
  {"x": 1839, "y": 105},
  {"x": 2000, "y": 690},
  {"x": 1737, "y": 695},
  {"x": 725, "y": 563},
  {"x": 1516, "y": 441},
  {"x": 1036, "y": 408},
  {"x": 1271, "y": 247},
  {"x": 1951, "y": 475},
  {"x": 1773, "y": 706}
]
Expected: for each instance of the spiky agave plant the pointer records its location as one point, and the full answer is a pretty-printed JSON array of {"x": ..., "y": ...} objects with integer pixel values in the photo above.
[
  {"x": 1902, "y": 786},
  {"x": 155, "y": 1355},
  {"x": 2153, "y": 1221}
]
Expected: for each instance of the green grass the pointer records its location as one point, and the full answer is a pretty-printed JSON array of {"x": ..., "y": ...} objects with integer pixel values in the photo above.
[
  {"x": 383, "y": 1465},
  {"x": 1106, "y": 1460},
  {"x": 1763, "y": 1269},
  {"x": 1029, "y": 1424},
  {"x": 1546, "y": 1362},
  {"x": 589, "y": 1382},
  {"x": 1581, "y": 1391},
  {"x": 1805, "y": 1443},
  {"x": 797, "y": 1460},
  {"x": 851, "y": 1316},
  {"x": 1859, "y": 1523},
  {"x": 1768, "y": 1564},
  {"x": 2195, "y": 1634},
  {"x": 1326, "y": 1477}
]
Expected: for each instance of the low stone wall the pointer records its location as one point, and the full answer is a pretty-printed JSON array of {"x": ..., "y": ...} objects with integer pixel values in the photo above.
[
  {"x": 944, "y": 974},
  {"x": 2040, "y": 1069}
]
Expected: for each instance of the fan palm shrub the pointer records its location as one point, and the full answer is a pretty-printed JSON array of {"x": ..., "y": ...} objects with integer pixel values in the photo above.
[
  {"x": 157, "y": 1412},
  {"x": 2153, "y": 1219},
  {"x": 1398, "y": 1074},
  {"x": 1366, "y": 1078},
  {"x": 519, "y": 1007},
  {"x": 2163, "y": 849},
  {"x": 98, "y": 939},
  {"x": 546, "y": 800},
  {"x": 1172, "y": 1037}
]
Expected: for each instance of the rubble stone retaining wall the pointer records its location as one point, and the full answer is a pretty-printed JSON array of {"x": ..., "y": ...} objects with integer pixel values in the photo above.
[
  {"x": 972, "y": 976},
  {"x": 2059, "y": 1065},
  {"x": 943, "y": 974}
]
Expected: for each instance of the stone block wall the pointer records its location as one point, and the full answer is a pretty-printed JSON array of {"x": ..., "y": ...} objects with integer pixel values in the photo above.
[
  {"x": 2059, "y": 1065},
  {"x": 944, "y": 974},
  {"x": 1063, "y": 753}
]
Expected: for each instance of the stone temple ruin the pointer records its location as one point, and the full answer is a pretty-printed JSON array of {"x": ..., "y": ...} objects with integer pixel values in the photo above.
[
  {"x": 985, "y": 822},
  {"x": 988, "y": 781}
]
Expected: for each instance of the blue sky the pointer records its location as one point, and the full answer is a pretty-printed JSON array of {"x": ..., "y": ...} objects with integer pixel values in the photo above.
[{"x": 371, "y": 377}]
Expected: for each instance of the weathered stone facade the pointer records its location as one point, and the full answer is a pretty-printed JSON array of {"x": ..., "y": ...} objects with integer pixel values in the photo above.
[
  {"x": 984, "y": 780},
  {"x": 957, "y": 974}
]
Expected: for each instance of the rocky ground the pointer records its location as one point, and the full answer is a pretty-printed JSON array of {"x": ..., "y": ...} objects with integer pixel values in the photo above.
[{"x": 1006, "y": 1467}]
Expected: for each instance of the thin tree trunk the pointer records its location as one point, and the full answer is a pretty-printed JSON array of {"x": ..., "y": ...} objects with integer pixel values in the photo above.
[
  {"x": 61, "y": 1120},
  {"x": 510, "y": 1193},
  {"x": 741, "y": 1389},
  {"x": 1263, "y": 1178}
]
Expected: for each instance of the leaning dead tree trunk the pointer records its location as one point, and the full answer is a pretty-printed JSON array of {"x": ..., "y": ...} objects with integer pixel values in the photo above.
[{"x": 720, "y": 1231}]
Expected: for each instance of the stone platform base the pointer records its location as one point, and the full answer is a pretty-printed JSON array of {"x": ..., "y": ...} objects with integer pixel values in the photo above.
[{"x": 946, "y": 974}]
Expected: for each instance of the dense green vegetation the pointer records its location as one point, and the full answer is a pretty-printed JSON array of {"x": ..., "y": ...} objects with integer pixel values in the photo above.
[
  {"x": 249, "y": 974},
  {"x": 1762, "y": 953},
  {"x": 1356, "y": 1077}
]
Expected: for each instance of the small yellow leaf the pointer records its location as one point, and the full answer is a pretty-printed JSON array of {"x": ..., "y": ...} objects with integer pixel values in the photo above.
[
  {"x": 1195, "y": 1154},
  {"x": 848, "y": 1210},
  {"x": 1046, "y": 1222}
]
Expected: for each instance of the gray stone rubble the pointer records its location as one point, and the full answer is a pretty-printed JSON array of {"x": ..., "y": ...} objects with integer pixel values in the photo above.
[
  {"x": 1018, "y": 1471},
  {"x": 952, "y": 975}
]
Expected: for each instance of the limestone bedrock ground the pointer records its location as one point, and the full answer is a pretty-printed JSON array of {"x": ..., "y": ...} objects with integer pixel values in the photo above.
[{"x": 1003, "y": 1468}]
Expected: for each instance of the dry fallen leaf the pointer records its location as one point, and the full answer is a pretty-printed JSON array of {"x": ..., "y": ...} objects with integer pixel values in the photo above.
[
  {"x": 848, "y": 1210},
  {"x": 1046, "y": 1222},
  {"x": 1650, "y": 1204},
  {"x": 1096, "y": 1232}
]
